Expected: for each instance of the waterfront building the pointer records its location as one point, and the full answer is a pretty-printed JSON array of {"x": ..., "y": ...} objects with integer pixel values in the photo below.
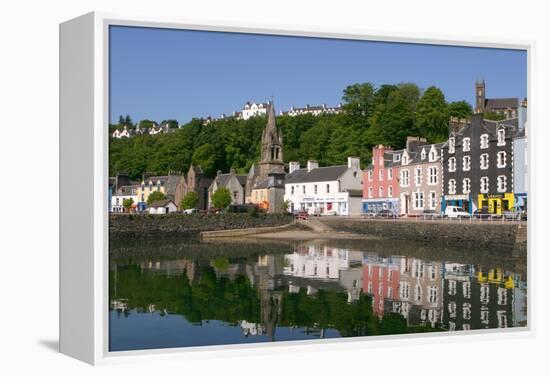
[
  {"x": 420, "y": 177},
  {"x": 161, "y": 207},
  {"x": 313, "y": 110},
  {"x": 381, "y": 180},
  {"x": 196, "y": 182},
  {"x": 123, "y": 193},
  {"x": 235, "y": 183},
  {"x": 520, "y": 160},
  {"x": 265, "y": 184},
  {"x": 169, "y": 185},
  {"x": 330, "y": 190},
  {"x": 477, "y": 165},
  {"x": 507, "y": 107}
]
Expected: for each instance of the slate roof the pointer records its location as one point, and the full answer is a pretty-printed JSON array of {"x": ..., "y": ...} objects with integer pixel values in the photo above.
[
  {"x": 323, "y": 174},
  {"x": 160, "y": 203},
  {"x": 126, "y": 190},
  {"x": 224, "y": 178},
  {"x": 501, "y": 103},
  {"x": 170, "y": 182}
]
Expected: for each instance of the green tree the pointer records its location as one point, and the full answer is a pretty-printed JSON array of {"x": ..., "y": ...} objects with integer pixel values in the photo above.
[
  {"x": 127, "y": 203},
  {"x": 432, "y": 115},
  {"x": 358, "y": 98},
  {"x": 146, "y": 123},
  {"x": 221, "y": 198},
  {"x": 154, "y": 196},
  {"x": 128, "y": 121},
  {"x": 460, "y": 109},
  {"x": 205, "y": 156},
  {"x": 190, "y": 200}
]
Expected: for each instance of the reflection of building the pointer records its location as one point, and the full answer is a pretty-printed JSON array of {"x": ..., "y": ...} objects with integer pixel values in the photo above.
[
  {"x": 477, "y": 299},
  {"x": 324, "y": 190},
  {"x": 316, "y": 262},
  {"x": 381, "y": 280},
  {"x": 420, "y": 297}
]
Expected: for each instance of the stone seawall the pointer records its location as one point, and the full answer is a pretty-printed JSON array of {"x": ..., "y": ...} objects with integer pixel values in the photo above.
[
  {"x": 145, "y": 225},
  {"x": 472, "y": 236}
]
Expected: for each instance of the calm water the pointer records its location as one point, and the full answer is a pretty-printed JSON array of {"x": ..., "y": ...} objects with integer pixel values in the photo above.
[{"x": 185, "y": 293}]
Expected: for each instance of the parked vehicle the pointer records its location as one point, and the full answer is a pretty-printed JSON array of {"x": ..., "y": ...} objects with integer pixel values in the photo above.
[
  {"x": 386, "y": 214},
  {"x": 453, "y": 212},
  {"x": 482, "y": 213},
  {"x": 301, "y": 215},
  {"x": 189, "y": 211},
  {"x": 516, "y": 213},
  {"x": 430, "y": 214},
  {"x": 314, "y": 211}
]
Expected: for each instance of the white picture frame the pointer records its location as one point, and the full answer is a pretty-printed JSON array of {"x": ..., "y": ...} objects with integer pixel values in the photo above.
[{"x": 84, "y": 46}]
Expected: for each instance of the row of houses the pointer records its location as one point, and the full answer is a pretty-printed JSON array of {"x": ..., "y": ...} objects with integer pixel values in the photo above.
[{"x": 127, "y": 132}]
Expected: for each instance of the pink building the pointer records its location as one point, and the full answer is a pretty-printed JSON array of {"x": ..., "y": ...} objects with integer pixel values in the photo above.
[
  {"x": 380, "y": 180},
  {"x": 381, "y": 281}
]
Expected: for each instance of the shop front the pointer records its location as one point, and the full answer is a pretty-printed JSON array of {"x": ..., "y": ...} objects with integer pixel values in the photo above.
[
  {"x": 462, "y": 201},
  {"x": 496, "y": 203},
  {"x": 372, "y": 206},
  {"x": 337, "y": 204}
]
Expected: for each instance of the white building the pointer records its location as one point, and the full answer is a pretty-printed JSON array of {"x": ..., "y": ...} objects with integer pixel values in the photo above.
[
  {"x": 331, "y": 190},
  {"x": 313, "y": 110},
  {"x": 252, "y": 109},
  {"x": 161, "y": 207},
  {"x": 125, "y": 132},
  {"x": 123, "y": 193},
  {"x": 316, "y": 262}
]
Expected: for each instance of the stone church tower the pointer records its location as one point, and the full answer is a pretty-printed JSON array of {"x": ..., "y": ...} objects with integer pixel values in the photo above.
[
  {"x": 271, "y": 159},
  {"x": 480, "y": 96}
]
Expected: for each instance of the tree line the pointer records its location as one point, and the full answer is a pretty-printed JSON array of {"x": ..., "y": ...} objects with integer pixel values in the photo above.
[{"x": 371, "y": 115}]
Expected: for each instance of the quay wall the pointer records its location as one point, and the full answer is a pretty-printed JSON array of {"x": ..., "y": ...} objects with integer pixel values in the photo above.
[
  {"x": 508, "y": 236},
  {"x": 146, "y": 226}
]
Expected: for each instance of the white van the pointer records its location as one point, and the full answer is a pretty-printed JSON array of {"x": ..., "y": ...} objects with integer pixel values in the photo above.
[{"x": 455, "y": 212}]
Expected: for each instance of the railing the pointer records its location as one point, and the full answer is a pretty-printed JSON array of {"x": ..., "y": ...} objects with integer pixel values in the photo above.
[{"x": 491, "y": 218}]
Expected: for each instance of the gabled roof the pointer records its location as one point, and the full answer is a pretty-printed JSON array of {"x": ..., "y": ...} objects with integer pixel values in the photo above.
[
  {"x": 323, "y": 174},
  {"x": 160, "y": 203}
]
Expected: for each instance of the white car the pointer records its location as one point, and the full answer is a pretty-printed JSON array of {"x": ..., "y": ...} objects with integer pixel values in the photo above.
[
  {"x": 189, "y": 211},
  {"x": 453, "y": 212}
]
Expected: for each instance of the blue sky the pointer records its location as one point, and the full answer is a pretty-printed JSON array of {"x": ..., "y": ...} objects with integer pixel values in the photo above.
[{"x": 179, "y": 74}]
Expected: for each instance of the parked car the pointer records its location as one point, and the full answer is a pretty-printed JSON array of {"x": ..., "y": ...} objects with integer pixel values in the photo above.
[
  {"x": 190, "y": 211},
  {"x": 386, "y": 214},
  {"x": 301, "y": 215},
  {"x": 430, "y": 214},
  {"x": 482, "y": 213},
  {"x": 516, "y": 213},
  {"x": 453, "y": 212}
]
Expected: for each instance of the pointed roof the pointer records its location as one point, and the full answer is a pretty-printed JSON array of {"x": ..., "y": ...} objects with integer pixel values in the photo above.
[{"x": 270, "y": 132}]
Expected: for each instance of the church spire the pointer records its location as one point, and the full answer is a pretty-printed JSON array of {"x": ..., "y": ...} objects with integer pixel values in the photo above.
[{"x": 272, "y": 146}]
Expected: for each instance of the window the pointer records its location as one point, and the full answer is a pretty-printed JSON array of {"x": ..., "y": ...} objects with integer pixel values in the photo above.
[
  {"x": 328, "y": 188},
  {"x": 404, "y": 178},
  {"x": 418, "y": 295},
  {"x": 405, "y": 160},
  {"x": 381, "y": 161},
  {"x": 381, "y": 192},
  {"x": 303, "y": 189},
  {"x": 433, "y": 200},
  {"x": 390, "y": 191},
  {"x": 370, "y": 192},
  {"x": 432, "y": 296},
  {"x": 501, "y": 159},
  {"x": 235, "y": 194},
  {"x": 484, "y": 294},
  {"x": 466, "y": 186},
  {"x": 452, "y": 144},
  {"x": 396, "y": 157},
  {"x": 452, "y": 287},
  {"x": 501, "y": 137},
  {"x": 452, "y": 309},
  {"x": 466, "y": 289},
  {"x": 502, "y": 296},
  {"x": 466, "y": 144},
  {"x": 432, "y": 175},
  {"x": 433, "y": 156},
  {"x": 291, "y": 190},
  {"x": 158, "y": 186},
  {"x": 484, "y": 185},
  {"x": 484, "y": 161},
  {"x": 452, "y": 164},
  {"x": 417, "y": 176},
  {"x": 423, "y": 154},
  {"x": 370, "y": 175},
  {"x": 404, "y": 290},
  {"x": 390, "y": 173},
  {"x": 501, "y": 183},
  {"x": 452, "y": 187},
  {"x": 466, "y": 163},
  {"x": 418, "y": 200},
  {"x": 466, "y": 310},
  {"x": 484, "y": 141},
  {"x": 381, "y": 174},
  {"x": 315, "y": 189}
]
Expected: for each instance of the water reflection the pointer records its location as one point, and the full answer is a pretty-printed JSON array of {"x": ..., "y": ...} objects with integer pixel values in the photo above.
[{"x": 311, "y": 290}]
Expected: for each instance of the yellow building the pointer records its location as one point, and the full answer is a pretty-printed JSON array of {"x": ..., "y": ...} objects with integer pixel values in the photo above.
[
  {"x": 169, "y": 185},
  {"x": 496, "y": 203},
  {"x": 260, "y": 197}
]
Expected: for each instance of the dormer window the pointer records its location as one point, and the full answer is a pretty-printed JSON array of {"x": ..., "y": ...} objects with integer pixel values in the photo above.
[
  {"x": 405, "y": 160},
  {"x": 396, "y": 157},
  {"x": 452, "y": 144},
  {"x": 423, "y": 154},
  {"x": 501, "y": 137},
  {"x": 433, "y": 155},
  {"x": 484, "y": 141},
  {"x": 466, "y": 144}
]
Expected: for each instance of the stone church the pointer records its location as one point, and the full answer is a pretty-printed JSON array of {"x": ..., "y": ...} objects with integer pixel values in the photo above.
[{"x": 265, "y": 182}]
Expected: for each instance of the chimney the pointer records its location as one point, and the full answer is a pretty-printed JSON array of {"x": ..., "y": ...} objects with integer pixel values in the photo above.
[
  {"x": 353, "y": 162},
  {"x": 218, "y": 173},
  {"x": 232, "y": 171},
  {"x": 311, "y": 164},
  {"x": 293, "y": 166}
]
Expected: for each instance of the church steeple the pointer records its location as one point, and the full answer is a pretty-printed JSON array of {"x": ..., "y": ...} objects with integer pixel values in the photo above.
[{"x": 272, "y": 146}]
